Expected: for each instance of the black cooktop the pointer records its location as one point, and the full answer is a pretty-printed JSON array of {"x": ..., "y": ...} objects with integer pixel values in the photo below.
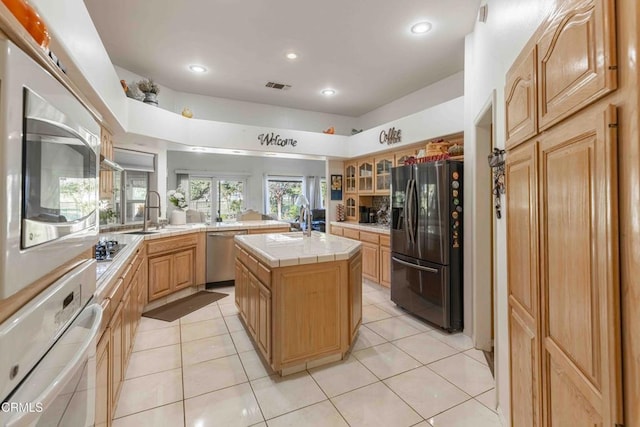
[{"x": 106, "y": 250}]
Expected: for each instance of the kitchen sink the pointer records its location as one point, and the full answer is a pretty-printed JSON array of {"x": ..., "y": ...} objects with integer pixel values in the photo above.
[{"x": 141, "y": 232}]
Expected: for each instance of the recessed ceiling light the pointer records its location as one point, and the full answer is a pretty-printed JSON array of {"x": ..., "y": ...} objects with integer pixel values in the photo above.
[
  {"x": 328, "y": 92},
  {"x": 292, "y": 55},
  {"x": 197, "y": 68},
  {"x": 421, "y": 27}
]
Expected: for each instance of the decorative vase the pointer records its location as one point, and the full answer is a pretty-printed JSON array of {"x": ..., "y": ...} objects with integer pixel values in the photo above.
[
  {"x": 178, "y": 217},
  {"x": 150, "y": 98}
]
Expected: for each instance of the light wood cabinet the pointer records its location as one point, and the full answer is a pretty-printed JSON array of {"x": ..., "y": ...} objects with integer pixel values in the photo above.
[
  {"x": 355, "y": 295},
  {"x": 106, "y": 177},
  {"x": 338, "y": 231},
  {"x": 382, "y": 176},
  {"x": 523, "y": 285},
  {"x": 370, "y": 255},
  {"x": 350, "y": 177},
  {"x": 300, "y": 313},
  {"x": 175, "y": 263},
  {"x": 365, "y": 176},
  {"x": 117, "y": 347},
  {"x": 103, "y": 379},
  {"x": 576, "y": 62},
  {"x": 521, "y": 115},
  {"x": 351, "y": 208},
  {"x": 559, "y": 185},
  {"x": 385, "y": 261},
  {"x": 263, "y": 330},
  {"x": 562, "y": 230},
  {"x": 402, "y": 156}
]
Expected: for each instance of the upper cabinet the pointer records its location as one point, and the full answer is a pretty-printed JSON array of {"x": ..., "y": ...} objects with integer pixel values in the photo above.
[
  {"x": 576, "y": 62},
  {"x": 404, "y": 155},
  {"x": 365, "y": 176},
  {"x": 106, "y": 177},
  {"x": 520, "y": 99},
  {"x": 350, "y": 177},
  {"x": 382, "y": 175}
]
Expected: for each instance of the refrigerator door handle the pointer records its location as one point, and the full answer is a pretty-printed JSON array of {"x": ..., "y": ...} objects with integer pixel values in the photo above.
[
  {"x": 412, "y": 202},
  {"x": 406, "y": 219},
  {"x": 418, "y": 267},
  {"x": 415, "y": 207}
]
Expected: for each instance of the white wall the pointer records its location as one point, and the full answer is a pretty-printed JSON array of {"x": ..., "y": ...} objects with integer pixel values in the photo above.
[
  {"x": 445, "y": 90},
  {"x": 255, "y": 168},
  {"x": 489, "y": 52}
]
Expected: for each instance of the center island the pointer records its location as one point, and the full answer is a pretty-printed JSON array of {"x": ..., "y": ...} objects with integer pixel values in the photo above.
[{"x": 300, "y": 297}]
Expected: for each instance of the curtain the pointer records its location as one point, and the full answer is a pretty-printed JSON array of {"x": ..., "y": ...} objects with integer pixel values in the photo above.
[{"x": 314, "y": 192}]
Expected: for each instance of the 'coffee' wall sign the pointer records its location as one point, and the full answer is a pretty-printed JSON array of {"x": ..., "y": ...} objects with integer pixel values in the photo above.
[
  {"x": 273, "y": 139},
  {"x": 391, "y": 136}
]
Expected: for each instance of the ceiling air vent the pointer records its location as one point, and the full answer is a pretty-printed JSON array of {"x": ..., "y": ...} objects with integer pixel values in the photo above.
[{"x": 279, "y": 86}]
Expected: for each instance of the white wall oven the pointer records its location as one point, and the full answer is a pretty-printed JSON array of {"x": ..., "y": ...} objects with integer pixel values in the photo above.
[{"x": 49, "y": 166}]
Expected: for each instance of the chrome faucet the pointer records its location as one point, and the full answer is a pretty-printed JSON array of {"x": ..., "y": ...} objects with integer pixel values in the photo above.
[
  {"x": 145, "y": 214},
  {"x": 305, "y": 212}
]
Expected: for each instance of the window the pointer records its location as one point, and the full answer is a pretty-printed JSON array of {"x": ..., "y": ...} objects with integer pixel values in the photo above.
[
  {"x": 281, "y": 194},
  {"x": 218, "y": 198},
  {"x": 131, "y": 190}
]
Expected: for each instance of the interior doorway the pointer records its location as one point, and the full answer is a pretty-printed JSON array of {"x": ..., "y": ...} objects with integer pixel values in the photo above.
[{"x": 484, "y": 226}]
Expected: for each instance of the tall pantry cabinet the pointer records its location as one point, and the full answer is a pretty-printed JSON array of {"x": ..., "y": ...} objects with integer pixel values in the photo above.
[{"x": 562, "y": 229}]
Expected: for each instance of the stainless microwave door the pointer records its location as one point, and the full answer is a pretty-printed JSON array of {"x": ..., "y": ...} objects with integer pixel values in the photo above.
[
  {"x": 401, "y": 241},
  {"x": 60, "y": 174},
  {"x": 432, "y": 237}
]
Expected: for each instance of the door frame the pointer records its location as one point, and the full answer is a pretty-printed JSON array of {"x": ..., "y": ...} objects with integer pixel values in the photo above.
[{"x": 483, "y": 237}]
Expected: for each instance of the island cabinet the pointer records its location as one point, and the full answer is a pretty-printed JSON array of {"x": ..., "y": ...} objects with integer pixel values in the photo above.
[
  {"x": 175, "y": 263},
  {"x": 122, "y": 308},
  {"x": 299, "y": 314},
  {"x": 281, "y": 229}
]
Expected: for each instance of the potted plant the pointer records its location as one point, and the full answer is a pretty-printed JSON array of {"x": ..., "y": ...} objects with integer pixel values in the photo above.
[
  {"x": 150, "y": 90},
  {"x": 178, "y": 199}
]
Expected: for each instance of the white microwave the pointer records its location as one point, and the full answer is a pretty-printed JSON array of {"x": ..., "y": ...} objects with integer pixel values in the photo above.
[{"x": 49, "y": 168}]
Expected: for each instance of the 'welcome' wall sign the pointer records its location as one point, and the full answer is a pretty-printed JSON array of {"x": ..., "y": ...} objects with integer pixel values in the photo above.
[
  {"x": 391, "y": 136},
  {"x": 273, "y": 139}
]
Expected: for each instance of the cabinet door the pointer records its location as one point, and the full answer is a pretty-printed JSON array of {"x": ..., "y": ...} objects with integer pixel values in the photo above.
[
  {"x": 370, "y": 255},
  {"x": 382, "y": 175},
  {"x": 106, "y": 177},
  {"x": 523, "y": 284},
  {"x": 365, "y": 176},
  {"x": 351, "y": 208},
  {"x": 580, "y": 288},
  {"x": 254, "y": 290},
  {"x": 355, "y": 295},
  {"x": 103, "y": 391},
  {"x": 117, "y": 351},
  {"x": 160, "y": 276},
  {"x": 385, "y": 266},
  {"x": 244, "y": 296},
  {"x": 520, "y": 99},
  {"x": 264, "y": 322},
  {"x": 350, "y": 177},
  {"x": 576, "y": 59},
  {"x": 127, "y": 336},
  {"x": 336, "y": 230},
  {"x": 238, "y": 283},
  {"x": 184, "y": 268},
  {"x": 402, "y": 156}
]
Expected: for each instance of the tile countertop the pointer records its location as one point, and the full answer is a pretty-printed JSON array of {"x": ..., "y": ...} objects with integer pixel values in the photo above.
[
  {"x": 374, "y": 228},
  {"x": 106, "y": 272},
  {"x": 288, "y": 249}
]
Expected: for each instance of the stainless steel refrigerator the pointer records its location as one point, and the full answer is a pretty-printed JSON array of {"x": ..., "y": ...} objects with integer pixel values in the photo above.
[{"x": 426, "y": 241}]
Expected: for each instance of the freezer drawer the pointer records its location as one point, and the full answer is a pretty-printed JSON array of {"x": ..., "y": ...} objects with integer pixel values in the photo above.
[{"x": 425, "y": 290}]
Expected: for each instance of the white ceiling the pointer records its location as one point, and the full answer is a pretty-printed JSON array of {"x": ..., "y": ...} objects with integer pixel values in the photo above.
[{"x": 361, "y": 48}]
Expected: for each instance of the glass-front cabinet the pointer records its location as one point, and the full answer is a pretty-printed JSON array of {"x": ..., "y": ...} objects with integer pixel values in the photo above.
[
  {"x": 382, "y": 176},
  {"x": 351, "y": 208},
  {"x": 403, "y": 156},
  {"x": 365, "y": 176},
  {"x": 350, "y": 177}
]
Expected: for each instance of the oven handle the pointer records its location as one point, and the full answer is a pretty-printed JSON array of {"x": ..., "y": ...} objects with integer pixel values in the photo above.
[
  {"x": 418, "y": 267},
  {"x": 51, "y": 392}
]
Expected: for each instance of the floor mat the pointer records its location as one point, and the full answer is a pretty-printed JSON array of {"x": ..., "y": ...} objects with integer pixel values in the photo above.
[{"x": 176, "y": 309}]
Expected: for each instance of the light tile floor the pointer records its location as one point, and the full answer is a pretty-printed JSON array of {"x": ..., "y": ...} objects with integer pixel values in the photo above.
[{"x": 203, "y": 370}]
